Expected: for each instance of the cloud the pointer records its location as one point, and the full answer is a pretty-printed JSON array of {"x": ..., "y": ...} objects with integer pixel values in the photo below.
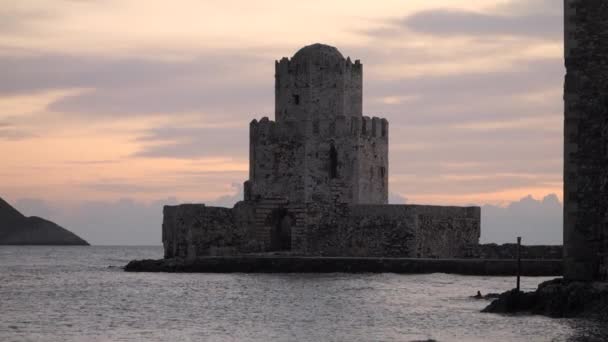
[
  {"x": 471, "y": 96},
  {"x": 457, "y": 22},
  {"x": 537, "y": 19},
  {"x": 221, "y": 82},
  {"x": 122, "y": 222},
  {"x": 19, "y": 21},
  {"x": 395, "y": 198},
  {"x": 536, "y": 221},
  {"x": 229, "y": 200},
  {"x": 129, "y": 222},
  {"x": 194, "y": 142},
  {"x": 92, "y": 162},
  {"x": 35, "y": 207},
  {"x": 206, "y": 96},
  {"x": 10, "y": 132},
  {"x": 121, "y": 187},
  {"x": 488, "y": 99},
  {"x": 531, "y": 7}
]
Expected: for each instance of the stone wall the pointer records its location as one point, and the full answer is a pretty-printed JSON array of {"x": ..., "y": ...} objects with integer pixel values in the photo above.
[
  {"x": 276, "y": 160},
  {"x": 350, "y": 232},
  {"x": 392, "y": 231},
  {"x": 586, "y": 140},
  {"x": 331, "y": 154},
  {"x": 446, "y": 232},
  {"x": 191, "y": 230},
  {"x": 307, "y": 264},
  {"x": 509, "y": 251},
  {"x": 373, "y": 161},
  {"x": 311, "y": 161}
]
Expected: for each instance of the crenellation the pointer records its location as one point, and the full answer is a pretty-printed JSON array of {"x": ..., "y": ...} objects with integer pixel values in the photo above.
[
  {"x": 376, "y": 127},
  {"x": 384, "y": 132},
  {"x": 366, "y": 126},
  {"x": 355, "y": 126}
]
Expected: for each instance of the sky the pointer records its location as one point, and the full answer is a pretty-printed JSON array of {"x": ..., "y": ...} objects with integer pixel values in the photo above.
[{"x": 111, "y": 109}]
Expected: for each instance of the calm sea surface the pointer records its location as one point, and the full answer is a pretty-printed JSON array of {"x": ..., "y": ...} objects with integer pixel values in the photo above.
[{"x": 71, "y": 294}]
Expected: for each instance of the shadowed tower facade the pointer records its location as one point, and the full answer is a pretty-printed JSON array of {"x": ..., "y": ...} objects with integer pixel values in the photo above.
[{"x": 586, "y": 140}]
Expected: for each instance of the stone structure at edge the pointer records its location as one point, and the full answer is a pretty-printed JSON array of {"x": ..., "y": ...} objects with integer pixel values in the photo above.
[
  {"x": 318, "y": 180},
  {"x": 586, "y": 140}
]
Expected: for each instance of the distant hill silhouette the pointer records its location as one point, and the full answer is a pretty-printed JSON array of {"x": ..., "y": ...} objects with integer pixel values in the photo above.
[{"x": 17, "y": 229}]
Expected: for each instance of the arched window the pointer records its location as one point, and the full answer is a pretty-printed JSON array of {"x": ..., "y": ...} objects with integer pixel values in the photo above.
[{"x": 333, "y": 162}]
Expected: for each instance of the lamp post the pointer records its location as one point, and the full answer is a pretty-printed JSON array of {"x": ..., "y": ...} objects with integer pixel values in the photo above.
[{"x": 518, "y": 261}]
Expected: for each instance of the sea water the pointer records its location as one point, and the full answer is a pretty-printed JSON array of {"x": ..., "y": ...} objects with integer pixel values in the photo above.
[{"x": 82, "y": 294}]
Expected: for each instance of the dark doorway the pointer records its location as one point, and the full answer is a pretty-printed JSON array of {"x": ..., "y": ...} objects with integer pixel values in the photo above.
[
  {"x": 333, "y": 162},
  {"x": 281, "y": 222}
]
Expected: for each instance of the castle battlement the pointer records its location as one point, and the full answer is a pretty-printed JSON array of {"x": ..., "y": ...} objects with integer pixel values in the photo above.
[
  {"x": 270, "y": 129},
  {"x": 336, "y": 127},
  {"x": 370, "y": 127},
  {"x": 288, "y": 66}
]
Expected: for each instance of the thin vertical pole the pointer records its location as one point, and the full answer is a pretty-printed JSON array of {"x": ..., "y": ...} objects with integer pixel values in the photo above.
[{"x": 518, "y": 261}]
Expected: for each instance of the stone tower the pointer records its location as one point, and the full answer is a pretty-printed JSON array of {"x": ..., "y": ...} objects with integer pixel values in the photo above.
[
  {"x": 317, "y": 83},
  {"x": 586, "y": 140},
  {"x": 320, "y": 148},
  {"x": 318, "y": 181}
]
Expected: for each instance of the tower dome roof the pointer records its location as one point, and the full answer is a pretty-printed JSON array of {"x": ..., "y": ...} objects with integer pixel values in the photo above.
[{"x": 318, "y": 53}]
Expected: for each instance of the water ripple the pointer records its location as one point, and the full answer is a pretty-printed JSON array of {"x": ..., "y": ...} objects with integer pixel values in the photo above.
[{"x": 70, "y": 294}]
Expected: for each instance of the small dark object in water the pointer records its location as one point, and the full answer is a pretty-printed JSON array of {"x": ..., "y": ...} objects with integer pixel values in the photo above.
[{"x": 488, "y": 296}]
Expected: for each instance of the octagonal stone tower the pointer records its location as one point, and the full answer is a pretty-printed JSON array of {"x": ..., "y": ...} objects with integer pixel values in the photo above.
[
  {"x": 320, "y": 148},
  {"x": 317, "y": 83}
]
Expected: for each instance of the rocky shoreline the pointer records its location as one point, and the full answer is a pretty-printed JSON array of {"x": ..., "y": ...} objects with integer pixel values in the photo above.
[
  {"x": 557, "y": 298},
  {"x": 301, "y": 264}
]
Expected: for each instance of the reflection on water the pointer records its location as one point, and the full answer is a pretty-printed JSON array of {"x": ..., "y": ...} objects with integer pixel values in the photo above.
[{"x": 70, "y": 294}]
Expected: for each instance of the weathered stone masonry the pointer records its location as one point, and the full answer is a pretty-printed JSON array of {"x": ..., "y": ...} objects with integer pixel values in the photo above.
[
  {"x": 586, "y": 140},
  {"x": 318, "y": 180},
  {"x": 320, "y": 144},
  {"x": 191, "y": 230}
]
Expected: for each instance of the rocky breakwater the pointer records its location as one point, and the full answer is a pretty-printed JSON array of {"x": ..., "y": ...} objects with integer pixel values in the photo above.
[
  {"x": 557, "y": 298},
  {"x": 320, "y": 264}
]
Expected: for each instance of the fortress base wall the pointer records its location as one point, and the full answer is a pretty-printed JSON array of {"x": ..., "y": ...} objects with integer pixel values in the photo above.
[
  {"x": 395, "y": 231},
  {"x": 192, "y": 230},
  {"x": 195, "y": 230},
  {"x": 509, "y": 251}
]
